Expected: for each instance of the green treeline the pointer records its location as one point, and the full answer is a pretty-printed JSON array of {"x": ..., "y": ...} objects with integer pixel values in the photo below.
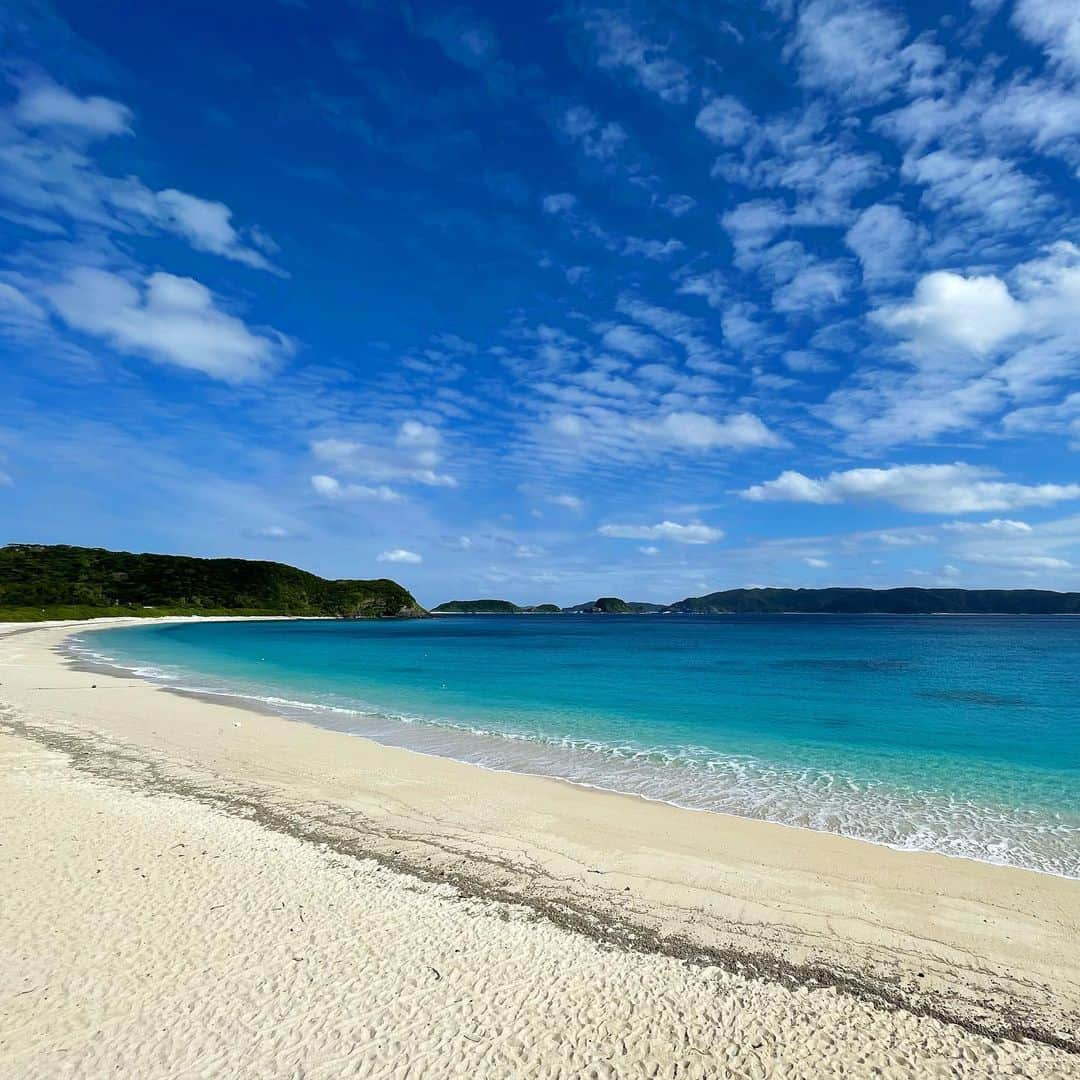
[{"x": 57, "y": 581}]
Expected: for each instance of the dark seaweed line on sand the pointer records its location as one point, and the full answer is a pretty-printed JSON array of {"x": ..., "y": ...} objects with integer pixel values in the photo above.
[{"x": 350, "y": 834}]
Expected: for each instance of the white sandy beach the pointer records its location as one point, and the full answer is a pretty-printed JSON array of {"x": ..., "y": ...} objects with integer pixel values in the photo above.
[{"x": 195, "y": 889}]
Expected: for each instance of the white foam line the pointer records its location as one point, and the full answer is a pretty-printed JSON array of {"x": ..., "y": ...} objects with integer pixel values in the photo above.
[{"x": 75, "y": 648}]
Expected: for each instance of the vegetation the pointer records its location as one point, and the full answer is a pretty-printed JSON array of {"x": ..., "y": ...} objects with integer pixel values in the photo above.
[
  {"x": 612, "y": 605},
  {"x": 60, "y": 582},
  {"x": 883, "y": 602},
  {"x": 816, "y": 601},
  {"x": 493, "y": 607},
  {"x": 476, "y": 607}
]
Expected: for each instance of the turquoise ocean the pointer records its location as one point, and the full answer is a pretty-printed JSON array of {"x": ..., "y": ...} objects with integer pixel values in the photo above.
[{"x": 959, "y": 735}]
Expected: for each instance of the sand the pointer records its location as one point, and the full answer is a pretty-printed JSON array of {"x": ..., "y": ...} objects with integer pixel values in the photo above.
[{"x": 194, "y": 889}]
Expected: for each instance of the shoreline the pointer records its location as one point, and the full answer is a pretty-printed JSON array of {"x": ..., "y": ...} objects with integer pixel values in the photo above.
[
  {"x": 303, "y": 712},
  {"x": 990, "y": 949},
  {"x": 254, "y": 704}
]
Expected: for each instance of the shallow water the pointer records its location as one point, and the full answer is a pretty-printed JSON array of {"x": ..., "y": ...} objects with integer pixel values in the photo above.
[{"x": 952, "y": 734}]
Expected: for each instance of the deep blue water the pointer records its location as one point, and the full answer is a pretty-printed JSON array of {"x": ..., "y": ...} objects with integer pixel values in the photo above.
[{"x": 953, "y": 734}]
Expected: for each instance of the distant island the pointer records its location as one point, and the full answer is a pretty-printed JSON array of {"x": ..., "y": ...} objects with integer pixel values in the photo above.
[
  {"x": 493, "y": 607},
  {"x": 903, "y": 601},
  {"x": 39, "y": 581},
  {"x": 612, "y": 605},
  {"x": 476, "y": 607},
  {"x": 58, "y": 581}
]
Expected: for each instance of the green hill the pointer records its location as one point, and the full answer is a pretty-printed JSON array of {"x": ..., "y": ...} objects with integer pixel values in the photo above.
[
  {"x": 476, "y": 607},
  {"x": 904, "y": 601},
  {"x": 612, "y": 605},
  {"x": 544, "y": 609},
  {"x": 56, "y": 581},
  {"x": 882, "y": 602}
]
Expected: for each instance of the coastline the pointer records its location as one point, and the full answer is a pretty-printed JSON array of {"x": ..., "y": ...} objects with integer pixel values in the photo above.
[
  {"x": 956, "y": 804},
  {"x": 299, "y": 712},
  {"x": 932, "y": 938}
]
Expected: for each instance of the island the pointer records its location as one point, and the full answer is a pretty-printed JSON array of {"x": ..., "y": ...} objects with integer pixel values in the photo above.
[
  {"x": 839, "y": 601},
  {"x": 477, "y": 607},
  {"x": 612, "y": 605},
  {"x": 59, "y": 581},
  {"x": 902, "y": 601},
  {"x": 493, "y": 607}
]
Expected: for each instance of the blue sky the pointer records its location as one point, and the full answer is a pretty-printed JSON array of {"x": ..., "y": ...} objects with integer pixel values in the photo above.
[{"x": 547, "y": 301}]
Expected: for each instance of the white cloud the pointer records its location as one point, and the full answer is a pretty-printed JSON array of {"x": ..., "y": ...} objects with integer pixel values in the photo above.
[
  {"x": 813, "y": 289},
  {"x": 649, "y": 549},
  {"x": 694, "y": 533},
  {"x": 169, "y": 319},
  {"x": 903, "y": 539},
  {"x": 597, "y": 139},
  {"x": 47, "y": 173},
  {"x": 800, "y": 151},
  {"x": 413, "y": 433},
  {"x": 816, "y": 563},
  {"x": 886, "y": 407},
  {"x": 399, "y": 555},
  {"x": 675, "y": 382},
  {"x": 568, "y": 502},
  {"x": 633, "y": 342},
  {"x": 330, "y": 487},
  {"x": 677, "y": 205},
  {"x": 991, "y": 191},
  {"x": 997, "y": 526},
  {"x": 208, "y": 227},
  {"x": 684, "y": 330},
  {"x": 803, "y": 360},
  {"x": 273, "y": 532},
  {"x": 1064, "y": 417},
  {"x": 559, "y": 203},
  {"x": 1030, "y": 550},
  {"x": 1019, "y": 562},
  {"x": 980, "y": 116},
  {"x": 569, "y": 426},
  {"x": 597, "y": 379},
  {"x": 413, "y": 456},
  {"x": 712, "y": 287},
  {"x": 45, "y": 104},
  {"x": 751, "y": 226},
  {"x": 622, "y": 45},
  {"x": 1049, "y": 288},
  {"x": 632, "y": 430},
  {"x": 1053, "y": 24},
  {"x": 652, "y": 249},
  {"x": 951, "y": 311},
  {"x": 697, "y": 431},
  {"x": 780, "y": 262},
  {"x": 932, "y": 489},
  {"x": 885, "y": 241},
  {"x": 16, "y": 308},
  {"x": 850, "y": 48},
  {"x": 727, "y": 120},
  {"x": 976, "y": 345}
]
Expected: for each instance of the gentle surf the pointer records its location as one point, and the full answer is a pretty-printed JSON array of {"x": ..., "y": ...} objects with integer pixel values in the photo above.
[{"x": 959, "y": 735}]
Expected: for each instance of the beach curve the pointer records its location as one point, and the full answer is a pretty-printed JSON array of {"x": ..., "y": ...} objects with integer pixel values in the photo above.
[{"x": 986, "y": 953}]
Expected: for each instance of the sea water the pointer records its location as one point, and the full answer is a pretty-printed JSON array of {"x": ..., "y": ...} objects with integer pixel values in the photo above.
[{"x": 955, "y": 734}]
